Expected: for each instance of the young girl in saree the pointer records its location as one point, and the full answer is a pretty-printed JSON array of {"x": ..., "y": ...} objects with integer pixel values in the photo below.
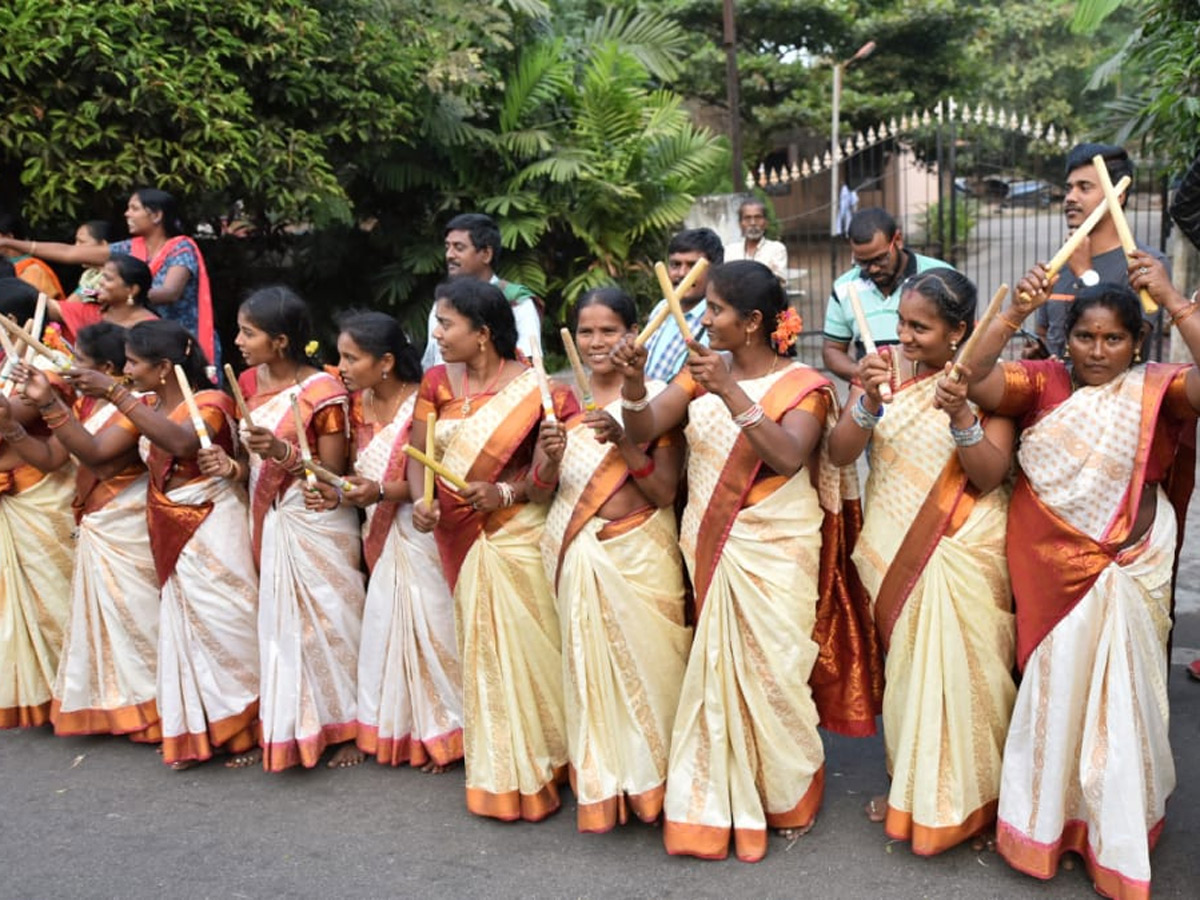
[
  {"x": 409, "y": 678},
  {"x": 931, "y": 555},
  {"x": 488, "y": 409},
  {"x": 745, "y": 752},
  {"x": 36, "y": 558},
  {"x": 311, "y": 589},
  {"x": 611, "y": 550},
  {"x": 105, "y": 682},
  {"x": 207, "y": 649},
  {"x": 1106, "y": 461}
]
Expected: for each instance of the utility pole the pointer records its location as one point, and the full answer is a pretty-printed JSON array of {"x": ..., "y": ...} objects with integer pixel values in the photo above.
[{"x": 733, "y": 95}]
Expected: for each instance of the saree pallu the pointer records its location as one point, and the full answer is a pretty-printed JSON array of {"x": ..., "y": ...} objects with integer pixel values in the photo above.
[
  {"x": 106, "y": 680},
  {"x": 1087, "y": 764},
  {"x": 208, "y": 640},
  {"x": 931, "y": 555},
  {"x": 745, "y": 751},
  {"x": 36, "y": 557},
  {"x": 515, "y": 747},
  {"x": 625, "y": 647},
  {"x": 409, "y": 677}
]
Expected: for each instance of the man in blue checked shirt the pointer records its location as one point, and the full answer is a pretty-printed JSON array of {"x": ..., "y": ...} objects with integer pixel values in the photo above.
[{"x": 666, "y": 349}]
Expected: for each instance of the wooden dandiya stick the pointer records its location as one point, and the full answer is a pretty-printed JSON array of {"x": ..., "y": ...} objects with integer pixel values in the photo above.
[
  {"x": 238, "y": 397},
  {"x": 673, "y": 304},
  {"x": 964, "y": 355},
  {"x": 581, "y": 379},
  {"x": 885, "y": 390},
  {"x": 39, "y": 315},
  {"x": 18, "y": 333},
  {"x": 894, "y": 365},
  {"x": 539, "y": 369},
  {"x": 193, "y": 410},
  {"x": 327, "y": 475},
  {"x": 436, "y": 467},
  {"x": 1122, "y": 224},
  {"x": 1085, "y": 228},
  {"x": 11, "y": 358},
  {"x": 431, "y": 452},
  {"x": 302, "y": 438},
  {"x": 30, "y": 353},
  {"x": 653, "y": 325}
]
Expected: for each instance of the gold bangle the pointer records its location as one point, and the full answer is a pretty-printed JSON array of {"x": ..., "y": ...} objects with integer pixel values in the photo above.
[{"x": 1015, "y": 326}]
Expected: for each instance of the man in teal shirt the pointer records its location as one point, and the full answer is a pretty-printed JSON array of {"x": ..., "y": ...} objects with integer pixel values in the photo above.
[{"x": 881, "y": 264}]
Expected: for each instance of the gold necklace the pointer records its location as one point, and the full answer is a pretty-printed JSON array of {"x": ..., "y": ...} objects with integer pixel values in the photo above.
[
  {"x": 468, "y": 396},
  {"x": 401, "y": 395}
]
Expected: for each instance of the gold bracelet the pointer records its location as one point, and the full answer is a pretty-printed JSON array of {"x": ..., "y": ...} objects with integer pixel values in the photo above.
[{"x": 1015, "y": 326}]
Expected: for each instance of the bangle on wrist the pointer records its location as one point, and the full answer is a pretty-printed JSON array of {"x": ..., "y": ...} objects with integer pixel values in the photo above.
[
  {"x": 863, "y": 417},
  {"x": 645, "y": 471},
  {"x": 750, "y": 416},
  {"x": 1177, "y": 317},
  {"x": 508, "y": 494},
  {"x": 15, "y": 434},
  {"x": 635, "y": 405},
  {"x": 539, "y": 482},
  {"x": 969, "y": 436},
  {"x": 1003, "y": 317},
  {"x": 379, "y": 498}
]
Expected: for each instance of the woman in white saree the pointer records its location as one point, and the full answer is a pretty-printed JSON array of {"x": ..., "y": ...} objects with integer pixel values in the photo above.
[
  {"x": 1106, "y": 461},
  {"x": 409, "y": 677},
  {"x": 745, "y": 752},
  {"x": 931, "y": 555},
  {"x": 611, "y": 549}
]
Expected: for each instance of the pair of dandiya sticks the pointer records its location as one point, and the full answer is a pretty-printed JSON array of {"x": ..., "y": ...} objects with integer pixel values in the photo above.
[
  {"x": 27, "y": 345},
  {"x": 1110, "y": 204},
  {"x": 673, "y": 307}
]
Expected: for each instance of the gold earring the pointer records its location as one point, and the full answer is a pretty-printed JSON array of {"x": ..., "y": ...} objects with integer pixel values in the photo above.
[
  {"x": 954, "y": 346},
  {"x": 1137, "y": 354},
  {"x": 163, "y": 378},
  {"x": 385, "y": 374},
  {"x": 481, "y": 348},
  {"x": 130, "y": 301}
]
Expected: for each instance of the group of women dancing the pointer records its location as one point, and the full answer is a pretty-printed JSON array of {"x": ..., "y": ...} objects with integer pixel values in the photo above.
[{"x": 549, "y": 616}]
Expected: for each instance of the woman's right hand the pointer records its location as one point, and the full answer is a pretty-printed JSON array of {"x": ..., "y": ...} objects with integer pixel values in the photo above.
[
  {"x": 1033, "y": 290},
  {"x": 872, "y": 371},
  {"x": 6, "y": 417},
  {"x": 424, "y": 518},
  {"x": 213, "y": 462},
  {"x": 263, "y": 442},
  {"x": 552, "y": 440}
]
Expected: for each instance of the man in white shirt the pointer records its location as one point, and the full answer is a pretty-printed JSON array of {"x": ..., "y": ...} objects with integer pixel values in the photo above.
[
  {"x": 472, "y": 251},
  {"x": 752, "y": 219}
]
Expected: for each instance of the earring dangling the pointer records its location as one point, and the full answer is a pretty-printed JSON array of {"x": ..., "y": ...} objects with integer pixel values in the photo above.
[
  {"x": 162, "y": 378},
  {"x": 385, "y": 375},
  {"x": 954, "y": 346},
  {"x": 1137, "y": 354},
  {"x": 130, "y": 301},
  {"x": 747, "y": 338},
  {"x": 481, "y": 348}
]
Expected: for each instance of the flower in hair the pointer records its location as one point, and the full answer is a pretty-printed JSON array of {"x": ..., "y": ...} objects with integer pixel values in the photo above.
[
  {"x": 789, "y": 324},
  {"x": 311, "y": 348}
]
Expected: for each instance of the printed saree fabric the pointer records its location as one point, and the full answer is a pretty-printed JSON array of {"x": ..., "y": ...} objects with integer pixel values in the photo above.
[
  {"x": 625, "y": 645},
  {"x": 311, "y": 589},
  {"x": 515, "y": 743},
  {"x": 931, "y": 554},
  {"x": 1087, "y": 764},
  {"x": 745, "y": 752},
  {"x": 409, "y": 676}
]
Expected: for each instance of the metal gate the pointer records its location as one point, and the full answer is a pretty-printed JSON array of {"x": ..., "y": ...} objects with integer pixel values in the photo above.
[{"x": 978, "y": 187}]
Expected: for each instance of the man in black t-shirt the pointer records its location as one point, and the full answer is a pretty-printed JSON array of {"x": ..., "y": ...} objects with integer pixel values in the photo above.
[{"x": 1100, "y": 256}]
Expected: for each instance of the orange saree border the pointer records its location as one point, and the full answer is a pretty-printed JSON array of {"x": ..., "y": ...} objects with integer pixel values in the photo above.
[
  {"x": 930, "y": 841},
  {"x": 443, "y": 749},
  {"x": 25, "y": 716},
  {"x": 511, "y": 806},
  {"x": 233, "y": 734},
  {"x": 140, "y": 722},
  {"x": 604, "y": 815},
  {"x": 750, "y": 844},
  {"x": 281, "y": 755},
  {"x": 1041, "y": 860}
]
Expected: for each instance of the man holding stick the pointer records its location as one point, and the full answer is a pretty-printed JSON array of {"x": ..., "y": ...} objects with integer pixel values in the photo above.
[
  {"x": 667, "y": 347},
  {"x": 1100, "y": 257},
  {"x": 881, "y": 264}
]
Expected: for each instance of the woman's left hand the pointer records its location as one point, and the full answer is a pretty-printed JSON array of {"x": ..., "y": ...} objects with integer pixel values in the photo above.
[
  {"x": 319, "y": 497},
  {"x": 482, "y": 495},
  {"x": 214, "y": 462},
  {"x": 89, "y": 382},
  {"x": 363, "y": 493}
]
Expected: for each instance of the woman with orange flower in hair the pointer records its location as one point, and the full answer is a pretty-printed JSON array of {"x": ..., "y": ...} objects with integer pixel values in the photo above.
[
  {"x": 106, "y": 676},
  {"x": 931, "y": 555},
  {"x": 762, "y": 537},
  {"x": 611, "y": 549}
]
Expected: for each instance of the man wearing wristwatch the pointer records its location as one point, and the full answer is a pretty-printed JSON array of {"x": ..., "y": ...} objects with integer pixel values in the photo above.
[{"x": 1100, "y": 256}]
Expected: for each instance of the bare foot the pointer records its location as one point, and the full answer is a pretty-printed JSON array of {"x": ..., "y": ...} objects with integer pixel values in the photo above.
[
  {"x": 182, "y": 765},
  {"x": 251, "y": 757},
  {"x": 794, "y": 834},
  {"x": 433, "y": 768},
  {"x": 876, "y": 809},
  {"x": 346, "y": 756},
  {"x": 985, "y": 840}
]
